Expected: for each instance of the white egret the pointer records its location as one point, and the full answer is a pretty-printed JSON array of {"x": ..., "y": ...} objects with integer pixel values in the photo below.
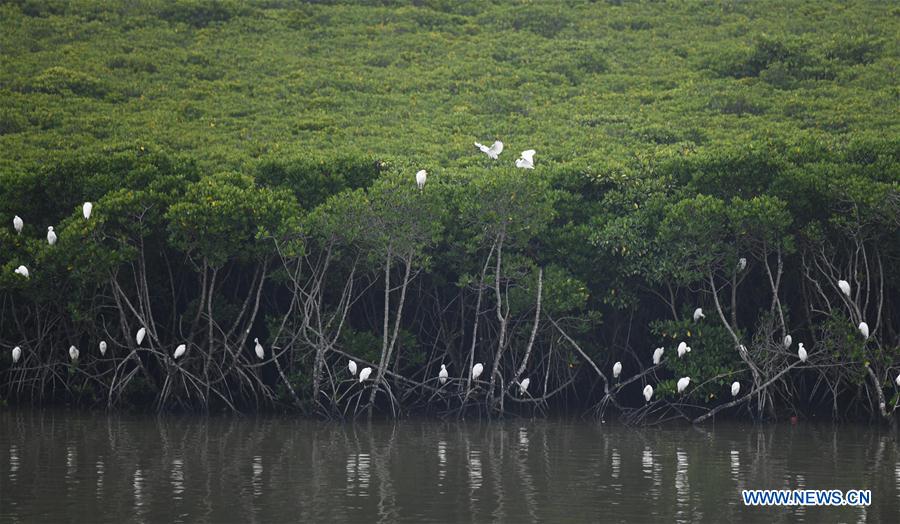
[
  {"x": 683, "y": 348},
  {"x": 648, "y": 392},
  {"x": 735, "y": 388},
  {"x": 898, "y": 380},
  {"x": 73, "y": 353},
  {"x": 260, "y": 352},
  {"x": 421, "y": 176},
  {"x": 864, "y": 330},
  {"x": 352, "y": 367},
  {"x": 698, "y": 314},
  {"x": 617, "y": 369},
  {"x": 683, "y": 383},
  {"x": 139, "y": 337},
  {"x": 86, "y": 210},
  {"x": 51, "y": 236},
  {"x": 443, "y": 374},
  {"x": 102, "y": 347},
  {"x": 16, "y": 354},
  {"x": 523, "y": 386},
  {"x": 526, "y": 160},
  {"x": 22, "y": 270},
  {"x": 845, "y": 287},
  {"x": 788, "y": 341},
  {"x": 801, "y": 352},
  {"x": 179, "y": 351},
  {"x": 18, "y": 224},
  {"x": 657, "y": 355},
  {"x": 477, "y": 369},
  {"x": 742, "y": 264},
  {"x": 364, "y": 374},
  {"x": 493, "y": 151}
]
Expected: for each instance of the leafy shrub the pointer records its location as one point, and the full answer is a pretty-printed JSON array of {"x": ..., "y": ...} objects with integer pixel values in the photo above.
[
  {"x": 640, "y": 25},
  {"x": 42, "y": 8},
  {"x": 307, "y": 17},
  {"x": 314, "y": 180},
  {"x": 854, "y": 49},
  {"x": 736, "y": 105},
  {"x": 546, "y": 20},
  {"x": 135, "y": 64},
  {"x": 11, "y": 122},
  {"x": 201, "y": 13},
  {"x": 60, "y": 80},
  {"x": 593, "y": 61},
  {"x": 780, "y": 62}
]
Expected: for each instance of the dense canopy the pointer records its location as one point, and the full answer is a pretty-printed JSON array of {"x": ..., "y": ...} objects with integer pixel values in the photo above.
[{"x": 251, "y": 169}]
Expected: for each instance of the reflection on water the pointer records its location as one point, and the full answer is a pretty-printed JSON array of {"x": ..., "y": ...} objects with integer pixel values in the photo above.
[
  {"x": 442, "y": 464},
  {"x": 257, "y": 476},
  {"x": 616, "y": 463},
  {"x": 177, "y": 477},
  {"x": 57, "y": 466},
  {"x": 474, "y": 472},
  {"x": 14, "y": 462},
  {"x": 358, "y": 474},
  {"x": 735, "y": 466},
  {"x": 682, "y": 488},
  {"x": 99, "y": 467}
]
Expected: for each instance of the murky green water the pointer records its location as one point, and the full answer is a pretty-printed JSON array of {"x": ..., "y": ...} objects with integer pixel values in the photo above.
[{"x": 65, "y": 467}]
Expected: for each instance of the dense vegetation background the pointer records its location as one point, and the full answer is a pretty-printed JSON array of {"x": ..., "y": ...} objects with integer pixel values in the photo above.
[{"x": 251, "y": 168}]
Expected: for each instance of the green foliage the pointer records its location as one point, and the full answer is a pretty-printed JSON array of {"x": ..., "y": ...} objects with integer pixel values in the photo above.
[
  {"x": 234, "y": 82},
  {"x": 313, "y": 180},
  {"x": 672, "y": 139},
  {"x": 713, "y": 362},
  {"x": 200, "y": 13},
  {"x": 225, "y": 216},
  {"x": 62, "y": 81}
]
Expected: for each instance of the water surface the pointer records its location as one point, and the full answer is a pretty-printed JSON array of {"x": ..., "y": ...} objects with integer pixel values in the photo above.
[{"x": 72, "y": 467}]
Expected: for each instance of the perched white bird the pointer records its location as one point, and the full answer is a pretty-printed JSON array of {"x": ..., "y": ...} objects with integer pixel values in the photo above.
[
  {"x": 801, "y": 352},
  {"x": 683, "y": 383},
  {"x": 73, "y": 353},
  {"x": 683, "y": 348},
  {"x": 657, "y": 355},
  {"x": 16, "y": 354},
  {"x": 86, "y": 210},
  {"x": 476, "y": 371},
  {"x": 742, "y": 264},
  {"x": 352, "y": 367},
  {"x": 648, "y": 392},
  {"x": 139, "y": 337},
  {"x": 18, "y": 224},
  {"x": 421, "y": 176},
  {"x": 260, "y": 352},
  {"x": 897, "y": 380},
  {"x": 735, "y": 388},
  {"x": 51, "y": 236},
  {"x": 698, "y": 314},
  {"x": 493, "y": 151},
  {"x": 179, "y": 351},
  {"x": 526, "y": 160},
  {"x": 617, "y": 369},
  {"x": 523, "y": 386},
  {"x": 364, "y": 374},
  {"x": 864, "y": 330},
  {"x": 22, "y": 270},
  {"x": 102, "y": 347},
  {"x": 788, "y": 341},
  {"x": 442, "y": 375},
  {"x": 845, "y": 287}
]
